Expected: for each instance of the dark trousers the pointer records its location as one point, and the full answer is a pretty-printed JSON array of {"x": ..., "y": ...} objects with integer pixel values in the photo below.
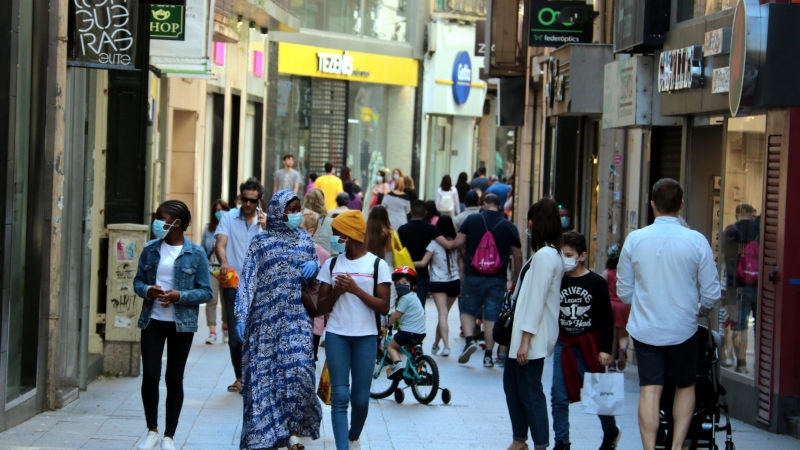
[
  {"x": 527, "y": 405},
  {"x": 154, "y": 337},
  {"x": 234, "y": 344},
  {"x": 423, "y": 287}
]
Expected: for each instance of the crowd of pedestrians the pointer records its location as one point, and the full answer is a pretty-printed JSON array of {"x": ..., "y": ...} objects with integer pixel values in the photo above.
[{"x": 311, "y": 265}]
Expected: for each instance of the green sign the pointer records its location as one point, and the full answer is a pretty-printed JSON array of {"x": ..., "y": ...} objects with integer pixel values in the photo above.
[
  {"x": 738, "y": 57},
  {"x": 546, "y": 30},
  {"x": 167, "y": 22}
]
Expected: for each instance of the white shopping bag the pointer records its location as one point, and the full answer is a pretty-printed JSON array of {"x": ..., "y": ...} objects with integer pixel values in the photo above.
[{"x": 603, "y": 394}]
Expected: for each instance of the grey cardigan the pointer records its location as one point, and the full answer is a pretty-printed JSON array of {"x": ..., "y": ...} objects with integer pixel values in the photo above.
[{"x": 398, "y": 209}]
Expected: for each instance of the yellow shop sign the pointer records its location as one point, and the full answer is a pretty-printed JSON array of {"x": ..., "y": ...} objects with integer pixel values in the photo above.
[{"x": 304, "y": 60}]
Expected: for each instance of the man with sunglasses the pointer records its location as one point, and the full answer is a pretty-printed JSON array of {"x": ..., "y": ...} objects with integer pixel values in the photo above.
[{"x": 235, "y": 231}]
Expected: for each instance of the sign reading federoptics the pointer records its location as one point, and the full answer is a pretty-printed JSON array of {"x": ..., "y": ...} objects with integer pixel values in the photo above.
[
  {"x": 547, "y": 31},
  {"x": 167, "y": 22}
]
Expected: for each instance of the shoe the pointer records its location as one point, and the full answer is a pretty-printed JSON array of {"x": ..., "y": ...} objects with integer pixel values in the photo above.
[
  {"x": 482, "y": 344},
  {"x": 561, "y": 446},
  {"x": 225, "y": 337},
  {"x": 623, "y": 358},
  {"x": 211, "y": 339},
  {"x": 434, "y": 349},
  {"x": 488, "y": 361},
  {"x": 469, "y": 349},
  {"x": 741, "y": 369},
  {"x": 501, "y": 360},
  {"x": 149, "y": 442},
  {"x": 445, "y": 352},
  {"x": 167, "y": 444},
  {"x": 354, "y": 445},
  {"x": 395, "y": 370},
  {"x": 610, "y": 442}
]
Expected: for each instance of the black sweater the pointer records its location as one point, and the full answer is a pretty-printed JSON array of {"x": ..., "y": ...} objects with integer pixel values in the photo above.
[{"x": 585, "y": 307}]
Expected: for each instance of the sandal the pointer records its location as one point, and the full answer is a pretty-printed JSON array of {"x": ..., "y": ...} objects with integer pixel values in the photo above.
[
  {"x": 294, "y": 443},
  {"x": 622, "y": 361},
  {"x": 235, "y": 387},
  {"x": 518, "y": 445}
]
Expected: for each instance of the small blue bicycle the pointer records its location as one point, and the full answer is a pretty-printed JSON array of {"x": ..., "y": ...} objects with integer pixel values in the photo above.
[{"x": 421, "y": 374}]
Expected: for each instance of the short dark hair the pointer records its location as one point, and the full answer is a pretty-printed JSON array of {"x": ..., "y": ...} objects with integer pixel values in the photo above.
[
  {"x": 667, "y": 196},
  {"x": 313, "y": 177},
  {"x": 611, "y": 263},
  {"x": 546, "y": 228},
  {"x": 745, "y": 208},
  {"x": 252, "y": 184},
  {"x": 491, "y": 199},
  {"x": 575, "y": 240},
  {"x": 287, "y": 157},
  {"x": 342, "y": 198},
  {"x": 482, "y": 170},
  {"x": 382, "y": 174},
  {"x": 471, "y": 199},
  {"x": 328, "y": 167},
  {"x": 178, "y": 210},
  {"x": 419, "y": 209}
]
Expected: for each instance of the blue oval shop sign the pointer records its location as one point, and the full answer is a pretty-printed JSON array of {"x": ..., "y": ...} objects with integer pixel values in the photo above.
[{"x": 462, "y": 77}]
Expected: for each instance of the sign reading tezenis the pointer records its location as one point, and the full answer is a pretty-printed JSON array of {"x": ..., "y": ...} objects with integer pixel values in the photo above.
[
  {"x": 545, "y": 30},
  {"x": 102, "y": 34}
]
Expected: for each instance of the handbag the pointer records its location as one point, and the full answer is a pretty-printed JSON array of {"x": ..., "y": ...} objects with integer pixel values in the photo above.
[
  {"x": 603, "y": 394},
  {"x": 503, "y": 327},
  {"x": 213, "y": 263},
  {"x": 324, "y": 389},
  {"x": 402, "y": 258}
]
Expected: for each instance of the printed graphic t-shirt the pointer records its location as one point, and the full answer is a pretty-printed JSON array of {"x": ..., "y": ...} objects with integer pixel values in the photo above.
[
  {"x": 439, "y": 268},
  {"x": 585, "y": 307},
  {"x": 350, "y": 316}
]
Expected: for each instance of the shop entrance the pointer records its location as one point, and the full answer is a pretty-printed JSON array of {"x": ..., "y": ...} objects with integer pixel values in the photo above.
[
  {"x": 183, "y": 154},
  {"x": 439, "y": 151}
]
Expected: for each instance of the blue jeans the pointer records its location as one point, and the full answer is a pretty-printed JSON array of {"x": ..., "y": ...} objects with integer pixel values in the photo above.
[
  {"x": 423, "y": 287},
  {"x": 349, "y": 356},
  {"x": 235, "y": 346},
  {"x": 527, "y": 405},
  {"x": 559, "y": 397}
]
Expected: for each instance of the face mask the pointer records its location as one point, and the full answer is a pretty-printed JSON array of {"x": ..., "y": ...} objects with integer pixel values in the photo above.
[
  {"x": 158, "y": 228},
  {"x": 337, "y": 246},
  {"x": 570, "y": 264},
  {"x": 564, "y": 222},
  {"x": 395, "y": 176},
  {"x": 379, "y": 179},
  {"x": 219, "y": 214},
  {"x": 294, "y": 220},
  {"x": 402, "y": 289},
  {"x": 528, "y": 232}
]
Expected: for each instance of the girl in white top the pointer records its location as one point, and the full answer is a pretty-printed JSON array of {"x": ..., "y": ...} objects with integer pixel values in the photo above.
[
  {"x": 355, "y": 296},
  {"x": 447, "y": 201},
  {"x": 535, "y": 328},
  {"x": 445, "y": 267}
]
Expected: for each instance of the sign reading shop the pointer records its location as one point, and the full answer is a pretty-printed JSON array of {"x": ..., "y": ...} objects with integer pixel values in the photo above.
[{"x": 102, "y": 34}]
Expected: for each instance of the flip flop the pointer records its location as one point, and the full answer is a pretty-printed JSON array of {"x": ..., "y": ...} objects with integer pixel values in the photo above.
[
  {"x": 235, "y": 387},
  {"x": 294, "y": 443}
]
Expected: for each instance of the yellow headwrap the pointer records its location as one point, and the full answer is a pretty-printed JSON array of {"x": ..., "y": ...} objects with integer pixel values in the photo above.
[{"x": 351, "y": 224}]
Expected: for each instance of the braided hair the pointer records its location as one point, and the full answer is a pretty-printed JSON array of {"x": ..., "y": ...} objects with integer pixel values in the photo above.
[{"x": 178, "y": 210}]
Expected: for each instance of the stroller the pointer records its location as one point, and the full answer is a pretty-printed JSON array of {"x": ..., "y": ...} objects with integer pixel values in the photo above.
[{"x": 710, "y": 403}]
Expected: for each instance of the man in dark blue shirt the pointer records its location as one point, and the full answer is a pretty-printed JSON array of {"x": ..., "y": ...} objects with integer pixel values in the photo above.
[{"x": 485, "y": 292}]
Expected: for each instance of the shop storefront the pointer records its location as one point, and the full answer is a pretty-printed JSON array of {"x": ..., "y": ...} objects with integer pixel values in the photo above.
[{"x": 351, "y": 108}]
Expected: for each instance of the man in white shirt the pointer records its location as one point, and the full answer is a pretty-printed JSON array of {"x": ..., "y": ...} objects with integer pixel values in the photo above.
[
  {"x": 664, "y": 271},
  {"x": 235, "y": 231}
]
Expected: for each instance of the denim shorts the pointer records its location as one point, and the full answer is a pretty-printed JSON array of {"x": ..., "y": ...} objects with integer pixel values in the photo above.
[{"x": 482, "y": 296}]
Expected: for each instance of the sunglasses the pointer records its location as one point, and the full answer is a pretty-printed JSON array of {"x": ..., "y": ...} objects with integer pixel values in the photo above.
[{"x": 249, "y": 200}]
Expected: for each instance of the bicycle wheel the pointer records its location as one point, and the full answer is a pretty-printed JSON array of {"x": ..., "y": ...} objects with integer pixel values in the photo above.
[
  {"x": 382, "y": 386},
  {"x": 428, "y": 386}
]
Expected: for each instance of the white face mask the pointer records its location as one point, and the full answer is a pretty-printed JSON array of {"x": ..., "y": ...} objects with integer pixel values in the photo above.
[{"x": 570, "y": 264}]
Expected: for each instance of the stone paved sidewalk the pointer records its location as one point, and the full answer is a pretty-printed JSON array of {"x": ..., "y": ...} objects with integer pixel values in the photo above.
[{"x": 109, "y": 415}]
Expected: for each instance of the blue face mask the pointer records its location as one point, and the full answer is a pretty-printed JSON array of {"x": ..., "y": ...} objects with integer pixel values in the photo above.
[
  {"x": 402, "y": 289},
  {"x": 294, "y": 220},
  {"x": 337, "y": 246},
  {"x": 564, "y": 222},
  {"x": 158, "y": 228},
  {"x": 395, "y": 176},
  {"x": 219, "y": 214},
  {"x": 379, "y": 179}
]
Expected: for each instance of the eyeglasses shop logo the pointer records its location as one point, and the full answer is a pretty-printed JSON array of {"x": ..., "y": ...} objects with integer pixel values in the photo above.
[{"x": 546, "y": 30}]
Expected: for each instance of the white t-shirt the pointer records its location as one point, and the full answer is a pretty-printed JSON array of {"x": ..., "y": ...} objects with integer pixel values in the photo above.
[
  {"x": 350, "y": 316},
  {"x": 164, "y": 278},
  {"x": 438, "y": 266}
]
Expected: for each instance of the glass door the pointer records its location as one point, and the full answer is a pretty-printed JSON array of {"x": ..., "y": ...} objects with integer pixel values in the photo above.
[{"x": 438, "y": 153}]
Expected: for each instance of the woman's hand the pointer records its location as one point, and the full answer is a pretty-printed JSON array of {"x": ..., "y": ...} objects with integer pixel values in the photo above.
[
  {"x": 155, "y": 292},
  {"x": 522, "y": 354},
  {"x": 347, "y": 283},
  {"x": 169, "y": 297},
  {"x": 605, "y": 359}
]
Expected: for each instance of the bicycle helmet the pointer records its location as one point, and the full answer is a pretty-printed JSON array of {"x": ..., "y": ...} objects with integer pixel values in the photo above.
[{"x": 405, "y": 271}]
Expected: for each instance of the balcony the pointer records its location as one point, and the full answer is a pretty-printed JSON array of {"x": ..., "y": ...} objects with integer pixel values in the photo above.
[{"x": 271, "y": 14}]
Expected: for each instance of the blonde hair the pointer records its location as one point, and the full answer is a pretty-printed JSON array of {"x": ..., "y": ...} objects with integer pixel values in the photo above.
[
  {"x": 310, "y": 220},
  {"x": 315, "y": 201},
  {"x": 409, "y": 182},
  {"x": 400, "y": 184}
]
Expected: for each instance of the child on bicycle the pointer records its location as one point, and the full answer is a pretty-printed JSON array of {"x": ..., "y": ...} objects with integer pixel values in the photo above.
[{"x": 410, "y": 315}]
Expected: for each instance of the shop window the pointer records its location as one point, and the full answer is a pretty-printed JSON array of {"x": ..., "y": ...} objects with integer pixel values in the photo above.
[
  {"x": 381, "y": 19},
  {"x": 366, "y": 130},
  {"x": 742, "y": 206},
  {"x": 292, "y": 132},
  {"x": 692, "y": 9}
]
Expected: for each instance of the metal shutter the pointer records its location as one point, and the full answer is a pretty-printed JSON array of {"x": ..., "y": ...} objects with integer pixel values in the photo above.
[{"x": 328, "y": 140}]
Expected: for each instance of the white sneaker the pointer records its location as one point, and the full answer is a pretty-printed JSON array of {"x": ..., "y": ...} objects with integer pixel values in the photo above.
[
  {"x": 355, "y": 445},
  {"x": 225, "y": 337},
  {"x": 167, "y": 444},
  {"x": 149, "y": 442},
  {"x": 445, "y": 352},
  {"x": 211, "y": 339}
]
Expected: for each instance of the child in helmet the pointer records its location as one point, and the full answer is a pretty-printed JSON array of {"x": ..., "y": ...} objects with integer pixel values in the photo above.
[{"x": 410, "y": 315}]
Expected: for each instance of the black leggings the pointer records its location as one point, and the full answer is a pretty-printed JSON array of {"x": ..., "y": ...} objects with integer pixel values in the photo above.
[{"x": 153, "y": 338}]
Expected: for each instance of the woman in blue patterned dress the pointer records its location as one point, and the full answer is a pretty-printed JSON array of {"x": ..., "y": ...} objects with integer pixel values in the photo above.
[{"x": 280, "y": 401}]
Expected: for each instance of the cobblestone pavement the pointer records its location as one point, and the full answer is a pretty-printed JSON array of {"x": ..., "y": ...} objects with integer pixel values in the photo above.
[{"x": 110, "y": 416}]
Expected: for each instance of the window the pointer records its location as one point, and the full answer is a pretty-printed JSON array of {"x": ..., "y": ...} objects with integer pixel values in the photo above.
[
  {"x": 380, "y": 19},
  {"x": 743, "y": 190},
  {"x": 692, "y": 9}
]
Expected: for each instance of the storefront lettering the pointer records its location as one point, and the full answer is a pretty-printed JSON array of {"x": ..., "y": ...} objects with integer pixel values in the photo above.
[
  {"x": 680, "y": 69},
  {"x": 335, "y": 63},
  {"x": 103, "y": 32}
]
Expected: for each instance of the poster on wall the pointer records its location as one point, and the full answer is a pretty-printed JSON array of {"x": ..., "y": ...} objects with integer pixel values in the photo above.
[{"x": 102, "y": 35}]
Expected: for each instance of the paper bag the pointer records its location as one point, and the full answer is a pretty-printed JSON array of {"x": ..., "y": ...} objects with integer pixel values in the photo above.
[
  {"x": 324, "y": 389},
  {"x": 603, "y": 394}
]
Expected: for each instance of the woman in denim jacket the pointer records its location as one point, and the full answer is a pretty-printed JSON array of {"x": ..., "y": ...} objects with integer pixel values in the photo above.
[{"x": 173, "y": 279}]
